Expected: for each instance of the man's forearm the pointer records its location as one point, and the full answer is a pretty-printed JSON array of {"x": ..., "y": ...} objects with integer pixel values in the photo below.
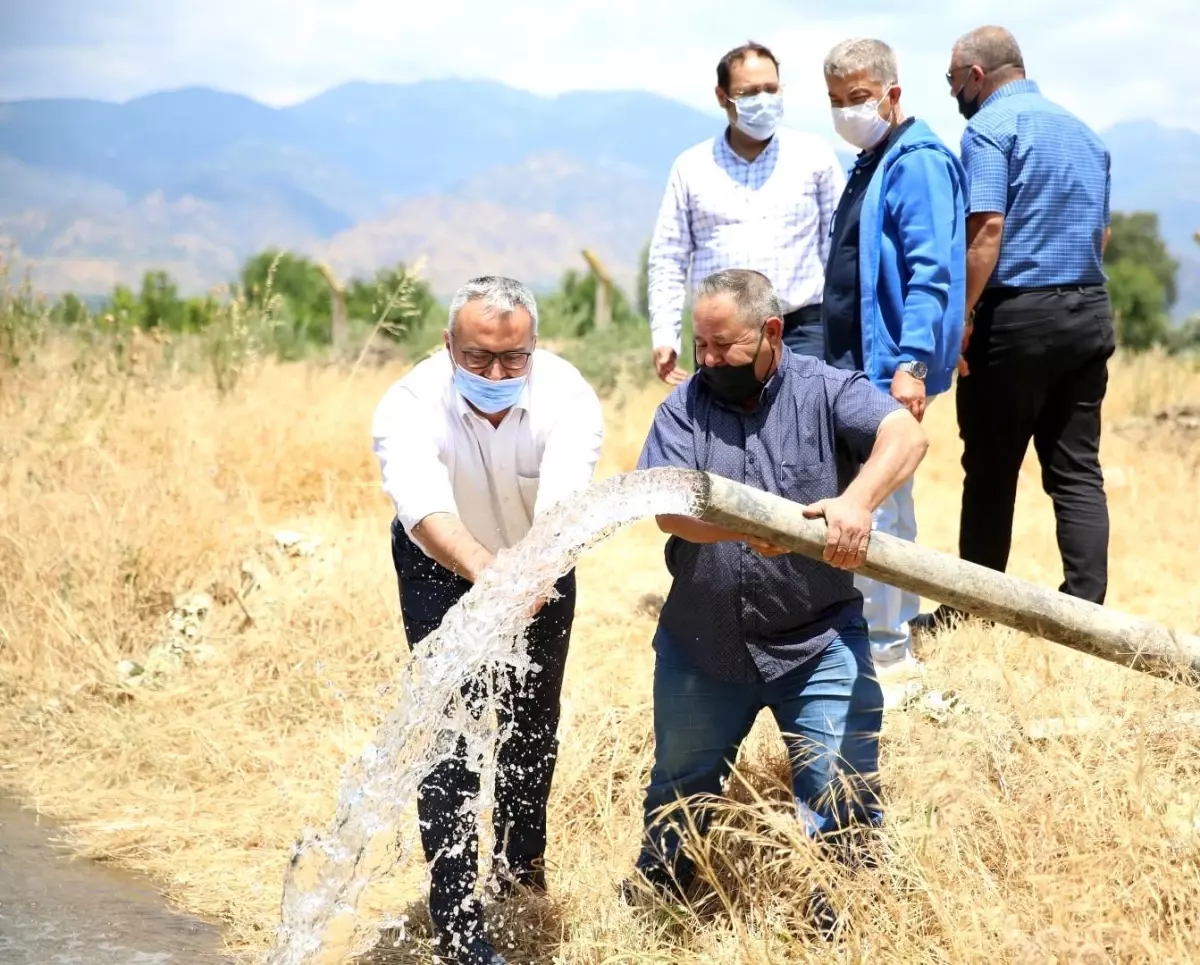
[
  {"x": 696, "y": 530},
  {"x": 900, "y": 445},
  {"x": 983, "y": 252},
  {"x": 446, "y": 539}
]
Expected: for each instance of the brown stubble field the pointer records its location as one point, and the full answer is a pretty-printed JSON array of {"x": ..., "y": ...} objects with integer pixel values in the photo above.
[{"x": 1008, "y": 840}]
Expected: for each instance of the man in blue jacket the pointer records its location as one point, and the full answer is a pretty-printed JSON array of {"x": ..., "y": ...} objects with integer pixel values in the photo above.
[{"x": 894, "y": 300}]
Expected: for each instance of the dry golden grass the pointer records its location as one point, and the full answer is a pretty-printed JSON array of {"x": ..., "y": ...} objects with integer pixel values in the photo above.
[{"x": 1002, "y": 847}]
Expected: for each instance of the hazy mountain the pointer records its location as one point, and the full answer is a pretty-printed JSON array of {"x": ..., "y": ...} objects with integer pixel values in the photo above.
[
  {"x": 195, "y": 179},
  {"x": 475, "y": 175}
]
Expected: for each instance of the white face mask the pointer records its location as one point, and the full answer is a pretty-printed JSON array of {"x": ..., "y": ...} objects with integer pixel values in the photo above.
[
  {"x": 861, "y": 124},
  {"x": 758, "y": 115}
]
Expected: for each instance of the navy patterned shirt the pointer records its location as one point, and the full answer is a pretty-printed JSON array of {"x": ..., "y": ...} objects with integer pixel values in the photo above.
[
  {"x": 738, "y": 616},
  {"x": 1050, "y": 176}
]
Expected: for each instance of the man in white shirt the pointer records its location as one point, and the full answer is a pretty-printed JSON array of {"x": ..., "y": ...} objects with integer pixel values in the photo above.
[
  {"x": 473, "y": 443},
  {"x": 759, "y": 197}
]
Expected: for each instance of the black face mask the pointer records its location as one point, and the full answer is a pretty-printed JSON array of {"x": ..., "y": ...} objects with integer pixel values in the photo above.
[
  {"x": 735, "y": 384},
  {"x": 967, "y": 108}
]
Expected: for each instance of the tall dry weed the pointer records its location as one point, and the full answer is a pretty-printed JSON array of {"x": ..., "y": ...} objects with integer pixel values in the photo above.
[{"x": 1010, "y": 838}]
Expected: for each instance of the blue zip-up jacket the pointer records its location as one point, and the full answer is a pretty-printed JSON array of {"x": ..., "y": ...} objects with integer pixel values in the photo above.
[{"x": 913, "y": 260}]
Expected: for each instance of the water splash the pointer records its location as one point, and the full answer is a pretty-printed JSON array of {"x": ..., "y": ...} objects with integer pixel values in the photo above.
[{"x": 370, "y": 832}]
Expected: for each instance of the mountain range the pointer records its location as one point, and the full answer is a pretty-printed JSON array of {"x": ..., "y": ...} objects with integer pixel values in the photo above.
[{"x": 476, "y": 176}]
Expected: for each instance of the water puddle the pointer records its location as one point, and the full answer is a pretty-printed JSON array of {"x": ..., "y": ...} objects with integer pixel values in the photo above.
[
  {"x": 55, "y": 910},
  {"x": 373, "y": 828}
]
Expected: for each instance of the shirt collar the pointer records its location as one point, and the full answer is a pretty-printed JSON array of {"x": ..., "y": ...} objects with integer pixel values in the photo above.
[
  {"x": 1022, "y": 86},
  {"x": 728, "y": 154},
  {"x": 870, "y": 154},
  {"x": 771, "y": 389}
]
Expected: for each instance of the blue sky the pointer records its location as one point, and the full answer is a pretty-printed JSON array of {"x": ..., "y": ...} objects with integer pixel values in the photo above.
[{"x": 1108, "y": 60}]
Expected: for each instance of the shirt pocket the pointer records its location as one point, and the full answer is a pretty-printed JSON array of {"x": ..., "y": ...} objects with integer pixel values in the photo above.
[
  {"x": 802, "y": 482},
  {"x": 528, "y": 487}
]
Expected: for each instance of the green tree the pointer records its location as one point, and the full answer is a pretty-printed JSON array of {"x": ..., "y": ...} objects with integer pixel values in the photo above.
[
  {"x": 298, "y": 286},
  {"x": 1137, "y": 301},
  {"x": 70, "y": 310},
  {"x": 1185, "y": 338},
  {"x": 123, "y": 308},
  {"x": 198, "y": 313},
  {"x": 571, "y": 310},
  {"x": 643, "y": 282},
  {"x": 159, "y": 305},
  {"x": 368, "y": 300},
  {"x": 1136, "y": 238},
  {"x": 1142, "y": 279}
]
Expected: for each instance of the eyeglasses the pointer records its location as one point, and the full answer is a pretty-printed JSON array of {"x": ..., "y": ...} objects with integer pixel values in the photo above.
[
  {"x": 480, "y": 360},
  {"x": 739, "y": 92},
  {"x": 954, "y": 70}
]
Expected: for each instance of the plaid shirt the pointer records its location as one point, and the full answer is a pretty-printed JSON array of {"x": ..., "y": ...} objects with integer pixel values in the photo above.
[
  {"x": 720, "y": 211},
  {"x": 1050, "y": 176}
]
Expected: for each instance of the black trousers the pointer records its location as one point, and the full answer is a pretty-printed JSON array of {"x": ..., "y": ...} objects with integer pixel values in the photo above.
[
  {"x": 804, "y": 332},
  {"x": 525, "y": 760},
  {"x": 1038, "y": 363}
]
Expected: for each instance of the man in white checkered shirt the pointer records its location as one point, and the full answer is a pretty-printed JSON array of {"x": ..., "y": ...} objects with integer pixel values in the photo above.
[{"x": 758, "y": 197}]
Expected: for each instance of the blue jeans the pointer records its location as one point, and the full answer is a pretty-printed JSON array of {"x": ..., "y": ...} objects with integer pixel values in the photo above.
[{"x": 829, "y": 711}]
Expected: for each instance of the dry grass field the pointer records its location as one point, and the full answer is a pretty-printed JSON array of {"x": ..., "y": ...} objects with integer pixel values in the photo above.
[{"x": 1009, "y": 839}]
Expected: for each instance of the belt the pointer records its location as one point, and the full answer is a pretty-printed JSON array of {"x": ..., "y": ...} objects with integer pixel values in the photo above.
[{"x": 1006, "y": 291}]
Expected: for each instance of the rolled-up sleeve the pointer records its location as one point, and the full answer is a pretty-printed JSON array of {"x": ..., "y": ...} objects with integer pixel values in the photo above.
[
  {"x": 670, "y": 256},
  {"x": 671, "y": 441},
  {"x": 572, "y": 449},
  {"x": 858, "y": 409},
  {"x": 405, "y": 442}
]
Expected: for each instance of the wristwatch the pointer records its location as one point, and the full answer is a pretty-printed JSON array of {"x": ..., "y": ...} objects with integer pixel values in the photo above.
[{"x": 917, "y": 370}]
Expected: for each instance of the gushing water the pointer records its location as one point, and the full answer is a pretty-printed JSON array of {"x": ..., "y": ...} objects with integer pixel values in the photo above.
[{"x": 367, "y": 837}]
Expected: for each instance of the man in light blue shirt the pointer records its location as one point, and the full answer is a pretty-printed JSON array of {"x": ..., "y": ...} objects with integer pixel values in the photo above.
[{"x": 1036, "y": 349}]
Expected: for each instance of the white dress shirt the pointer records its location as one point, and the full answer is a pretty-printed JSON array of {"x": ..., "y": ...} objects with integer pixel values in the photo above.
[
  {"x": 437, "y": 455},
  {"x": 772, "y": 214}
]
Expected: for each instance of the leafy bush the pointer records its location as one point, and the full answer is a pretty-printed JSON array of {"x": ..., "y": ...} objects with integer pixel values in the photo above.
[{"x": 23, "y": 319}]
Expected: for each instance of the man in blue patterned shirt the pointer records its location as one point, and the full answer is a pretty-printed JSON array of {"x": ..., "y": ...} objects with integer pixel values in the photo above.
[
  {"x": 1035, "y": 360},
  {"x": 747, "y": 625}
]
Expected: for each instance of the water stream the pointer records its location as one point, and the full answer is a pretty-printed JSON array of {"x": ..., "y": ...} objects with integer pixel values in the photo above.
[
  {"x": 59, "y": 910},
  {"x": 373, "y": 829}
]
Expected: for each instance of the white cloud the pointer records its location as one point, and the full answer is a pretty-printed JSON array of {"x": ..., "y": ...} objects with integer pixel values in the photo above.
[{"x": 1108, "y": 60}]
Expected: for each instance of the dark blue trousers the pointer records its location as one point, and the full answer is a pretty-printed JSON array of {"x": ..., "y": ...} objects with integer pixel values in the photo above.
[
  {"x": 525, "y": 761},
  {"x": 804, "y": 331}
]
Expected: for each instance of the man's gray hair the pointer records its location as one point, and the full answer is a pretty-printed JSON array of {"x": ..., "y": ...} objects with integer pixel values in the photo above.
[
  {"x": 862, "y": 53},
  {"x": 751, "y": 290},
  {"x": 990, "y": 47},
  {"x": 499, "y": 295}
]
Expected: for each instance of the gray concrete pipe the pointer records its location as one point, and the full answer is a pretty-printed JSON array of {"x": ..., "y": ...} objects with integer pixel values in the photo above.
[{"x": 1101, "y": 631}]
